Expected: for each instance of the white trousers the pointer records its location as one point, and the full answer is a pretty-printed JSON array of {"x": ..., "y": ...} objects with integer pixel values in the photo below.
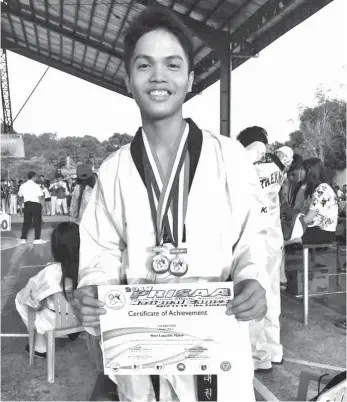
[
  {"x": 13, "y": 204},
  {"x": 61, "y": 205},
  {"x": 265, "y": 334},
  {"x": 53, "y": 202}
]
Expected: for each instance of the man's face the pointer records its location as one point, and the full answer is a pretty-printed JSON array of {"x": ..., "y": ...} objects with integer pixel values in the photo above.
[{"x": 159, "y": 78}]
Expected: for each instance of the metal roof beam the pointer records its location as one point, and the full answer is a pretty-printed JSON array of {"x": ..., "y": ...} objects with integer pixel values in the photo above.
[
  {"x": 192, "y": 6},
  {"x": 12, "y": 28},
  {"x": 61, "y": 26},
  {"x": 294, "y": 18},
  {"x": 109, "y": 13},
  {"x": 48, "y": 32},
  {"x": 89, "y": 29},
  {"x": 62, "y": 31},
  {"x": 297, "y": 16},
  {"x": 130, "y": 6},
  {"x": 240, "y": 36},
  {"x": 35, "y": 27},
  {"x": 74, "y": 30},
  {"x": 259, "y": 18},
  {"x": 215, "y": 8},
  {"x": 212, "y": 37},
  {"x": 66, "y": 68}
]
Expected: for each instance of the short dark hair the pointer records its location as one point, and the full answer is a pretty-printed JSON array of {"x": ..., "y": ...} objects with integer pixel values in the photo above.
[
  {"x": 31, "y": 174},
  {"x": 152, "y": 19},
  {"x": 252, "y": 134}
]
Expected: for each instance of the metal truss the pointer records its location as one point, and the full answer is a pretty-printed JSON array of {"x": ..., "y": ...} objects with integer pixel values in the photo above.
[{"x": 5, "y": 93}]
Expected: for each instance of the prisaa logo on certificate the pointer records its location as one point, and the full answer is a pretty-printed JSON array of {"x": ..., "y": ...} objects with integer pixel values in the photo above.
[{"x": 168, "y": 329}]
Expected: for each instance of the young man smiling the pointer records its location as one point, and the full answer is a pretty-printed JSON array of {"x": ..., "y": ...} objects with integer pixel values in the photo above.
[{"x": 181, "y": 187}]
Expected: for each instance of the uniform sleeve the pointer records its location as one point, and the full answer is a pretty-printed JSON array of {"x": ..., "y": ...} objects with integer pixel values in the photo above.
[
  {"x": 39, "y": 287},
  {"x": 101, "y": 242},
  {"x": 249, "y": 211},
  {"x": 20, "y": 192}
]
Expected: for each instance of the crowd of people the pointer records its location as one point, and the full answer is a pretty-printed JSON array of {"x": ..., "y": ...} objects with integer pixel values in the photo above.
[
  {"x": 235, "y": 200},
  {"x": 57, "y": 194},
  {"x": 37, "y": 197}
]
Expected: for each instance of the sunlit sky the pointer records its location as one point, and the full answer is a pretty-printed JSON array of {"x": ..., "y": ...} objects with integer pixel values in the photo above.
[{"x": 266, "y": 91}]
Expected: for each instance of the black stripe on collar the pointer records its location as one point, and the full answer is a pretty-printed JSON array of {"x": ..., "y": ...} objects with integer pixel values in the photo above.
[{"x": 194, "y": 149}]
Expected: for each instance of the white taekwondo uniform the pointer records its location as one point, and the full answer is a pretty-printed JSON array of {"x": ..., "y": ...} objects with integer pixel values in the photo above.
[
  {"x": 224, "y": 238},
  {"x": 265, "y": 335},
  {"x": 38, "y": 290}
]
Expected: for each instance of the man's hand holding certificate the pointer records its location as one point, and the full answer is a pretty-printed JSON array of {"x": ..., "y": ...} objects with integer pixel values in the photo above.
[{"x": 168, "y": 329}]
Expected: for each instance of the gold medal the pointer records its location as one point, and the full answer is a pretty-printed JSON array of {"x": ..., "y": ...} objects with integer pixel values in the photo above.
[
  {"x": 160, "y": 264},
  {"x": 178, "y": 266}
]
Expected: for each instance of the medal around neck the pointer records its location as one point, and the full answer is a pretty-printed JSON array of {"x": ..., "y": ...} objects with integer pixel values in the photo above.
[
  {"x": 178, "y": 266},
  {"x": 160, "y": 264},
  {"x": 171, "y": 191}
]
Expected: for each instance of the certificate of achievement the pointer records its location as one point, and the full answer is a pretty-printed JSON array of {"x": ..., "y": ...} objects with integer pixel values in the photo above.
[{"x": 168, "y": 329}]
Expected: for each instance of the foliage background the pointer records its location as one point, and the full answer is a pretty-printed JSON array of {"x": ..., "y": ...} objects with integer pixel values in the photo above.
[
  {"x": 45, "y": 153},
  {"x": 322, "y": 133}
]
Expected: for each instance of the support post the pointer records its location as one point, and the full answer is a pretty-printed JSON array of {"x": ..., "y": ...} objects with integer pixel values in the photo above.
[{"x": 225, "y": 92}]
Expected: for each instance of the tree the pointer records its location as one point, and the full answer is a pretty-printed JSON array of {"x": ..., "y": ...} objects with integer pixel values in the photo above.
[
  {"x": 322, "y": 131},
  {"x": 53, "y": 153}
]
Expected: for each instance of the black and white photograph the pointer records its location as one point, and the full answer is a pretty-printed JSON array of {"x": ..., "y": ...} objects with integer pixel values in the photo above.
[{"x": 173, "y": 200}]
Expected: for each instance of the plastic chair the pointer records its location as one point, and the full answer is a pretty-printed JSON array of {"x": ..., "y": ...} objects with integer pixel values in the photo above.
[
  {"x": 336, "y": 393},
  {"x": 64, "y": 325}
]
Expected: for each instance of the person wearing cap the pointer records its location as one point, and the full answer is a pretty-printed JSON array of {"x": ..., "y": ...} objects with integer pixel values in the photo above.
[
  {"x": 271, "y": 169},
  {"x": 84, "y": 187}
]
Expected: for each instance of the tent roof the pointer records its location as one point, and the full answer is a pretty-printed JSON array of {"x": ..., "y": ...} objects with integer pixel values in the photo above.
[{"x": 85, "y": 37}]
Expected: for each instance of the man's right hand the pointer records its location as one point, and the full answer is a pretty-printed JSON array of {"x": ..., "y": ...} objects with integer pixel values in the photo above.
[{"x": 86, "y": 306}]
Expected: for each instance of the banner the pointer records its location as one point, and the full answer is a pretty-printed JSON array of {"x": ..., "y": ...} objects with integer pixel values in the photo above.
[
  {"x": 12, "y": 146},
  {"x": 5, "y": 222}
]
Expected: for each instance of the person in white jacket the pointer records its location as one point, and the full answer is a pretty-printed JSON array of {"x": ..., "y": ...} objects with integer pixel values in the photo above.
[
  {"x": 271, "y": 169},
  {"x": 59, "y": 276},
  {"x": 212, "y": 181}
]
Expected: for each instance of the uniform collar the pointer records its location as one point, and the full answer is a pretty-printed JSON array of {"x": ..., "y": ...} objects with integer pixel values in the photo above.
[{"x": 194, "y": 149}]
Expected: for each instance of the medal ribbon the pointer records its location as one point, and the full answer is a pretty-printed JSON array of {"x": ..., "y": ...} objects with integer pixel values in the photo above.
[{"x": 170, "y": 189}]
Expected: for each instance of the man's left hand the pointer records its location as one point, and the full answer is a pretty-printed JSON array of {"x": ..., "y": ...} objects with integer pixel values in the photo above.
[{"x": 249, "y": 301}]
